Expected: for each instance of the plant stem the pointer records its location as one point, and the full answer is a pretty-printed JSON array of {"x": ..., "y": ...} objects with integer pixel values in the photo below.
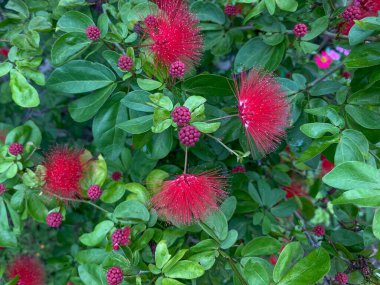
[
  {"x": 234, "y": 268},
  {"x": 185, "y": 166},
  {"x": 80, "y": 201},
  {"x": 319, "y": 79},
  {"x": 309, "y": 237},
  {"x": 332, "y": 4},
  {"x": 339, "y": 66},
  {"x": 221, "y": 118},
  {"x": 222, "y": 144},
  {"x": 119, "y": 48}
]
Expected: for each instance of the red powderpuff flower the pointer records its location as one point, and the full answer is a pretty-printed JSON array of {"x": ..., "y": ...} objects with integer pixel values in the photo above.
[
  {"x": 64, "y": 171},
  {"x": 29, "y": 270},
  {"x": 263, "y": 109},
  {"x": 326, "y": 165},
  {"x": 294, "y": 189},
  {"x": 174, "y": 34},
  {"x": 190, "y": 197}
]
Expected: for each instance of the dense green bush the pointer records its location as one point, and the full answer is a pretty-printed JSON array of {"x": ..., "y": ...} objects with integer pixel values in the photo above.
[{"x": 104, "y": 179}]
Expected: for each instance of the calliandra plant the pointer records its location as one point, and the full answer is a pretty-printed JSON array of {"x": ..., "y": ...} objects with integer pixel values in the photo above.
[{"x": 175, "y": 142}]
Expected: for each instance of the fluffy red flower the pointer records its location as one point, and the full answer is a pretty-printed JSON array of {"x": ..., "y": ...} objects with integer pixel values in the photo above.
[
  {"x": 29, "y": 269},
  {"x": 294, "y": 189},
  {"x": 263, "y": 109},
  {"x": 64, "y": 171},
  {"x": 190, "y": 197},
  {"x": 175, "y": 35}
]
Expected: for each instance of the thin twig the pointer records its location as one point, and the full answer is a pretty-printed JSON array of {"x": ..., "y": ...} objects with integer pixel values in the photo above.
[
  {"x": 79, "y": 201},
  {"x": 185, "y": 166},
  {"x": 222, "y": 144},
  {"x": 233, "y": 267},
  {"x": 309, "y": 237},
  {"x": 339, "y": 66},
  {"x": 221, "y": 118}
]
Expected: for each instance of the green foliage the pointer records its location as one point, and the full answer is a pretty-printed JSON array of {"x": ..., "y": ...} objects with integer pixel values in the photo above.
[{"x": 58, "y": 87}]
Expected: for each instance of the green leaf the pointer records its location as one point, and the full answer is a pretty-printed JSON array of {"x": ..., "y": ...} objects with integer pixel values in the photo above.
[
  {"x": 206, "y": 128},
  {"x": 255, "y": 273},
  {"x": 308, "y": 47},
  {"x": 28, "y": 132},
  {"x": 107, "y": 136},
  {"x": 309, "y": 270},
  {"x": 318, "y": 130},
  {"x": 80, "y": 76},
  {"x": 137, "y": 125},
  {"x": 230, "y": 239},
  {"x": 193, "y": 102},
  {"x": 360, "y": 198},
  {"x": 132, "y": 211},
  {"x": 289, "y": 256},
  {"x": 369, "y": 23},
  {"x": 161, "y": 144},
  {"x": 5, "y": 67},
  {"x": 85, "y": 108},
  {"x": 265, "y": 56},
  {"x": 357, "y": 35},
  {"x": 325, "y": 87},
  {"x": 317, "y": 146},
  {"x": 93, "y": 255},
  {"x": 216, "y": 225},
  {"x": 169, "y": 281},
  {"x": 364, "y": 116},
  {"x": 162, "y": 255},
  {"x": 256, "y": 10},
  {"x": 23, "y": 94},
  {"x": 68, "y": 47},
  {"x": 155, "y": 179},
  {"x": 353, "y": 175},
  {"x": 137, "y": 100},
  {"x": 113, "y": 193},
  {"x": 370, "y": 96},
  {"x": 207, "y": 11},
  {"x": 148, "y": 84},
  {"x": 228, "y": 207},
  {"x": 376, "y": 224},
  {"x": 271, "y": 6},
  {"x": 74, "y": 21},
  {"x": 36, "y": 209},
  {"x": 97, "y": 235},
  {"x": 92, "y": 274},
  {"x": 287, "y": 5},
  {"x": 261, "y": 246},
  {"x": 185, "y": 269},
  {"x": 139, "y": 190},
  {"x": 316, "y": 28},
  {"x": 208, "y": 85},
  {"x": 18, "y": 6},
  {"x": 364, "y": 56},
  {"x": 353, "y": 146}
]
